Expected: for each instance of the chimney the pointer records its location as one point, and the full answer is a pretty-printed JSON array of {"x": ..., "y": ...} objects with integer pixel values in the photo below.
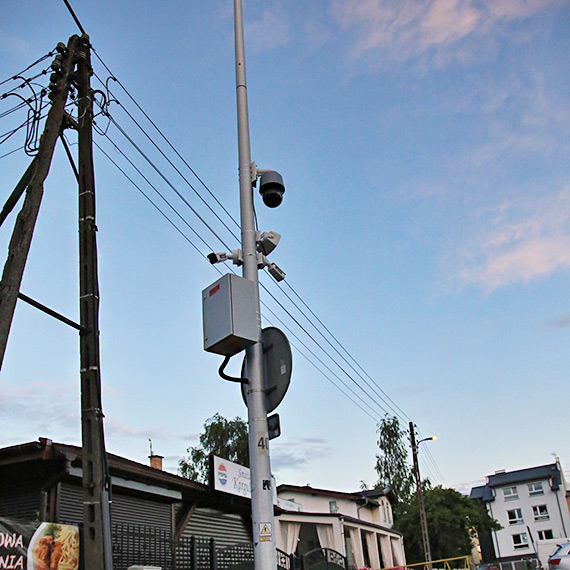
[{"x": 156, "y": 461}]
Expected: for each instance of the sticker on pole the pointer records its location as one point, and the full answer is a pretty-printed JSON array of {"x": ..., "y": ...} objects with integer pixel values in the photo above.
[{"x": 265, "y": 532}]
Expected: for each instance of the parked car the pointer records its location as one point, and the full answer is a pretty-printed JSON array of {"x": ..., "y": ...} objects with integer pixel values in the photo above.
[{"x": 560, "y": 558}]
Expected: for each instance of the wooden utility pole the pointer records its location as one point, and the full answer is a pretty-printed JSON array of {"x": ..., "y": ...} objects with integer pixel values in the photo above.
[
  {"x": 71, "y": 65},
  {"x": 96, "y": 480},
  {"x": 423, "y": 520},
  {"x": 33, "y": 181}
]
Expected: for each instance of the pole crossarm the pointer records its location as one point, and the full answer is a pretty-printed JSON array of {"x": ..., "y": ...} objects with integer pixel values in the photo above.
[{"x": 51, "y": 312}]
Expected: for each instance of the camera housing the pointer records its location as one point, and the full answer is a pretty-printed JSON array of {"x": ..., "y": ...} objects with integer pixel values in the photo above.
[
  {"x": 267, "y": 242},
  {"x": 271, "y": 188},
  {"x": 217, "y": 257}
]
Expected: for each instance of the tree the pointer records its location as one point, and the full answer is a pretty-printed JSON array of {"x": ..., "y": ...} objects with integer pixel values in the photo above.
[
  {"x": 225, "y": 438},
  {"x": 392, "y": 462},
  {"x": 452, "y": 519}
]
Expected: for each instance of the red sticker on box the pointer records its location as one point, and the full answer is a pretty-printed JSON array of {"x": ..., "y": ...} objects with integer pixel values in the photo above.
[{"x": 214, "y": 290}]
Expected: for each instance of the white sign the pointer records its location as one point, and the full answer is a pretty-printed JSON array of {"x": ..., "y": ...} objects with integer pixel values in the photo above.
[
  {"x": 235, "y": 479},
  {"x": 231, "y": 478}
]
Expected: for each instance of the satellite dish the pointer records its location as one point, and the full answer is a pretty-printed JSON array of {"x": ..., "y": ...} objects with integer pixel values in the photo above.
[{"x": 277, "y": 364}]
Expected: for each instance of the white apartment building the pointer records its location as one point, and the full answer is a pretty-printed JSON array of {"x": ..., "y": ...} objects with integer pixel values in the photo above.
[
  {"x": 530, "y": 505},
  {"x": 357, "y": 525}
]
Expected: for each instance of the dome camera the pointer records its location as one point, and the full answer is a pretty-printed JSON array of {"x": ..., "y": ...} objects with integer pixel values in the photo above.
[{"x": 271, "y": 188}]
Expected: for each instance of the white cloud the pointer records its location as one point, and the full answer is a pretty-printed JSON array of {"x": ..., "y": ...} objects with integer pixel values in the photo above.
[
  {"x": 520, "y": 241},
  {"x": 268, "y": 31},
  {"x": 401, "y": 29}
]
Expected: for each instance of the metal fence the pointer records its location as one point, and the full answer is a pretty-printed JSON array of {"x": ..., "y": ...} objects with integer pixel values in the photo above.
[
  {"x": 139, "y": 545},
  {"x": 522, "y": 564}
]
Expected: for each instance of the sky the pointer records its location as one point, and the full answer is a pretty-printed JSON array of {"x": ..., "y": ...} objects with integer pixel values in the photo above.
[{"x": 424, "y": 146}]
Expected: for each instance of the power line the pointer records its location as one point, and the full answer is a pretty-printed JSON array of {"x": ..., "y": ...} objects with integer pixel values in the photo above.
[
  {"x": 311, "y": 317},
  {"x": 164, "y": 137}
]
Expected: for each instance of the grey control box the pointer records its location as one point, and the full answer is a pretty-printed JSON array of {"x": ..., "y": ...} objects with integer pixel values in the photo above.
[{"x": 229, "y": 315}]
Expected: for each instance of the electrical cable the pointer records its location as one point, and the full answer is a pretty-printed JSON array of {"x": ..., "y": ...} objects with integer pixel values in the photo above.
[
  {"x": 231, "y": 217},
  {"x": 314, "y": 340},
  {"x": 207, "y": 245},
  {"x": 164, "y": 137},
  {"x": 375, "y": 419},
  {"x": 50, "y": 54},
  {"x": 154, "y": 188},
  {"x": 383, "y": 398},
  {"x": 403, "y": 414},
  {"x": 318, "y": 344},
  {"x": 11, "y": 152},
  {"x": 171, "y": 163},
  {"x": 166, "y": 180},
  {"x": 386, "y": 398}
]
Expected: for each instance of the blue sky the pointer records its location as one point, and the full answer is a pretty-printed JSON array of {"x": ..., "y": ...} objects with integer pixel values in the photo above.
[{"x": 426, "y": 222}]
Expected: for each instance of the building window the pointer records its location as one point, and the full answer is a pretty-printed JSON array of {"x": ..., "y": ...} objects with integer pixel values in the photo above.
[
  {"x": 333, "y": 507},
  {"x": 540, "y": 513},
  {"x": 510, "y": 493},
  {"x": 535, "y": 489},
  {"x": 515, "y": 516},
  {"x": 520, "y": 541},
  {"x": 545, "y": 534}
]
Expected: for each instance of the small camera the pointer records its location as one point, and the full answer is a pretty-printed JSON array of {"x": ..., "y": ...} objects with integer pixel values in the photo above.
[
  {"x": 217, "y": 257},
  {"x": 276, "y": 272},
  {"x": 271, "y": 188},
  {"x": 268, "y": 242}
]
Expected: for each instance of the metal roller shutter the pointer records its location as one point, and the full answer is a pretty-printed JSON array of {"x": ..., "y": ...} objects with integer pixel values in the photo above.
[
  {"x": 136, "y": 510},
  {"x": 69, "y": 503},
  {"x": 226, "y": 529},
  {"x": 20, "y": 501}
]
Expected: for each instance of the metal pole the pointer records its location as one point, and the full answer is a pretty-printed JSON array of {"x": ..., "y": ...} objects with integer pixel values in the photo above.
[
  {"x": 423, "y": 520},
  {"x": 265, "y": 556}
]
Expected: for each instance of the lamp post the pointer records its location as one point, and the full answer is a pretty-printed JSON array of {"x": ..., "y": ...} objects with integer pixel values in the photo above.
[{"x": 423, "y": 520}]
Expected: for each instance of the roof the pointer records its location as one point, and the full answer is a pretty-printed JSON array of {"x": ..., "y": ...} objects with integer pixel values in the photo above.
[
  {"x": 64, "y": 461},
  {"x": 367, "y": 495},
  {"x": 506, "y": 478}
]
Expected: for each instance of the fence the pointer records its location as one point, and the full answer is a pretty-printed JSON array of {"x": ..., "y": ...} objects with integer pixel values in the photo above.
[
  {"x": 135, "y": 545},
  {"x": 522, "y": 564},
  {"x": 149, "y": 546}
]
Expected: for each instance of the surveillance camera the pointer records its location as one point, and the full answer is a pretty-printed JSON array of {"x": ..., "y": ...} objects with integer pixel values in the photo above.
[
  {"x": 276, "y": 272},
  {"x": 217, "y": 257},
  {"x": 268, "y": 242},
  {"x": 271, "y": 188}
]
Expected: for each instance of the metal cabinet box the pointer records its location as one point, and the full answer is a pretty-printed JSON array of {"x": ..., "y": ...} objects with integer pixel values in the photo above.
[{"x": 229, "y": 315}]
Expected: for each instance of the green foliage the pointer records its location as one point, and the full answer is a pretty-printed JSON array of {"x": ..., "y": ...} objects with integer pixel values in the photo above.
[
  {"x": 452, "y": 521},
  {"x": 392, "y": 462},
  {"x": 225, "y": 438}
]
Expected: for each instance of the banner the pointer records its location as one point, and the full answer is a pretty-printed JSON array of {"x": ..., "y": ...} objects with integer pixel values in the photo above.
[{"x": 38, "y": 546}]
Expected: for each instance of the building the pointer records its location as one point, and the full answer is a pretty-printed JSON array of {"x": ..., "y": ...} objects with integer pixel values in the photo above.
[
  {"x": 158, "y": 518},
  {"x": 356, "y": 525},
  {"x": 530, "y": 505}
]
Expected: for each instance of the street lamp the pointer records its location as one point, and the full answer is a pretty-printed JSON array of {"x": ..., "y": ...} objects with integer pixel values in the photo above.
[{"x": 423, "y": 520}]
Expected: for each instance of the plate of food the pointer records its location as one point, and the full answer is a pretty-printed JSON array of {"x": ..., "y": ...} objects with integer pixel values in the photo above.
[{"x": 54, "y": 547}]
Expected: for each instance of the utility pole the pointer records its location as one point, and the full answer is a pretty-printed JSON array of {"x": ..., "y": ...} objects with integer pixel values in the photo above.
[
  {"x": 96, "y": 480},
  {"x": 423, "y": 520},
  {"x": 265, "y": 555},
  {"x": 33, "y": 183}
]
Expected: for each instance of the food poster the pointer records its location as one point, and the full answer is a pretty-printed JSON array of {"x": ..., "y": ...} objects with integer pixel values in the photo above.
[{"x": 38, "y": 546}]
